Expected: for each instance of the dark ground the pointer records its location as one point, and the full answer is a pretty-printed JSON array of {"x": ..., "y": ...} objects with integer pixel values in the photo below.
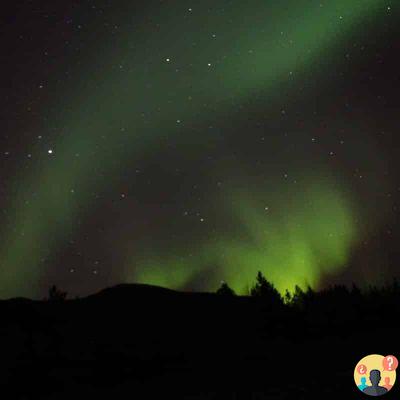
[{"x": 138, "y": 341}]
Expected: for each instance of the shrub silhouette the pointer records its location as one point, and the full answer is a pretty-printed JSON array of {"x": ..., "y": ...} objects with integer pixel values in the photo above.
[
  {"x": 56, "y": 294},
  {"x": 225, "y": 290}
]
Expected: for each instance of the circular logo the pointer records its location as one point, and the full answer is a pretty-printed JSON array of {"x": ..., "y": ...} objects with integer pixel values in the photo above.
[{"x": 375, "y": 375}]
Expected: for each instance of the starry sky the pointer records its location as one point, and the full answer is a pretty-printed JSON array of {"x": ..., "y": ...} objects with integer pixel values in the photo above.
[{"x": 183, "y": 143}]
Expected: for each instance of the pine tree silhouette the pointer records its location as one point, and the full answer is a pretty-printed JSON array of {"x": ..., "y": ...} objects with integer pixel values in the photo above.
[{"x": 265, "y": 290}]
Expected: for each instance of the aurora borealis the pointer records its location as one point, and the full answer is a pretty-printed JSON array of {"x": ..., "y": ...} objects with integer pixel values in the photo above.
[{"x": 182, "y": 144}]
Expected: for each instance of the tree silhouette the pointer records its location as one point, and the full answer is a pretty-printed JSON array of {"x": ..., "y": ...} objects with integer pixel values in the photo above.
[
  {"x": 265, "y": 290},
  {"x": 56, "y": 294},
  {"x": 225, "y": 290},
  {"x": 288, "y": 298}
]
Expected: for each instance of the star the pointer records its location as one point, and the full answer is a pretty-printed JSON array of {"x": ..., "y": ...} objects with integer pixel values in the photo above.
[{"x": 119, "y": 135}]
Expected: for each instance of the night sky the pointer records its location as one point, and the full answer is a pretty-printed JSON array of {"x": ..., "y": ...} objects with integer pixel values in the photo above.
[{"x": 182, "y": 143}]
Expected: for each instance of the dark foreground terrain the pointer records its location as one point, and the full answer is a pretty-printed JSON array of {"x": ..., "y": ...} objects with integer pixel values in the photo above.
[{"x": 138, "y": 341}]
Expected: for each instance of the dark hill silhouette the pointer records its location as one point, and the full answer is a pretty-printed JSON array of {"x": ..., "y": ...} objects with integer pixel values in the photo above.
[
  {"x": 130, "y": 339},
  {"x": 135, "y": 288}
]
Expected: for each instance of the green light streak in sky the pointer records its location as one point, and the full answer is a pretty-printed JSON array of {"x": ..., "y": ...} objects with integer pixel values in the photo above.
[
  {"x": 111, "y": 98},
  {"x": 294, "y": 240},
  {"x": 311, "y": 233}
]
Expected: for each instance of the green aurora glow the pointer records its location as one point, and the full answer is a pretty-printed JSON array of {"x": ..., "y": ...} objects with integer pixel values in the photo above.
[
  {"x": 310, "y": 235},
  {"x": 295, "y": 240}
]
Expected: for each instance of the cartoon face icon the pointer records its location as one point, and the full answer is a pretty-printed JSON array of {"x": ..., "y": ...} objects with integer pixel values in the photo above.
[{"x": 375, "y": 375}]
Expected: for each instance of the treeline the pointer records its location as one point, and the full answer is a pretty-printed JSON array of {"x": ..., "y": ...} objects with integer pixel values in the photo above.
[
  {"x": 300, "y": 299},
  {"x": 337, "y": 295},
  {"x": 133, "y": 337}
]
